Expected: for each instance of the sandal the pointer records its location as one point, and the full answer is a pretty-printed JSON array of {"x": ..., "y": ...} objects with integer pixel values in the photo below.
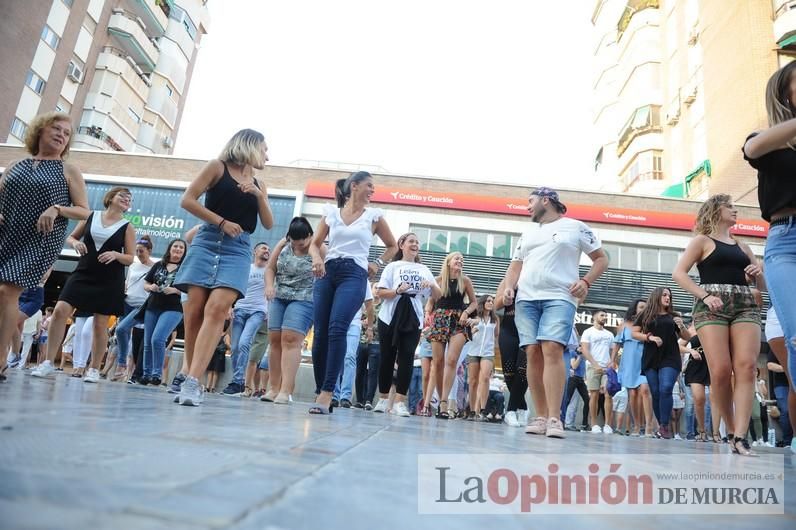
[
  {"x": 282, "y": 399},
  {"x": 744, "y": 449},
  {"x": 269, "y": 396},
  {"x": 443, "y": 414},
  {"x": 716, "y": 437},
  {"x": 320, "y": 409},
  {"x": 701, "y": 437}
]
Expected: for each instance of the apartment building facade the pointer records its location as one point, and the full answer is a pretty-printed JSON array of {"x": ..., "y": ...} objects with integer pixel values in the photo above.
[
  {"x": 120, "y": 68},
  {"x": 678, "y": 84}
]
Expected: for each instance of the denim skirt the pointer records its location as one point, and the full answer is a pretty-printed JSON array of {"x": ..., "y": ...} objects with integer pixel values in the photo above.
[{"x": 214, "y": 260}]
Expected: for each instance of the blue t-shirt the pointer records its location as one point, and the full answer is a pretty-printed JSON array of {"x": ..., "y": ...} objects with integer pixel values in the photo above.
[{"x": 580, "y": 371}]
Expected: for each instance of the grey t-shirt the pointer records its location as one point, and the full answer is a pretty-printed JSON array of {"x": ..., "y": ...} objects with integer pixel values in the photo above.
[{"x": 294, "y": 276}]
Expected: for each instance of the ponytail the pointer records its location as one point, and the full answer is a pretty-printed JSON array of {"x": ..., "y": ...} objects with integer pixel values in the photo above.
[{"x": 342, "y": 188}]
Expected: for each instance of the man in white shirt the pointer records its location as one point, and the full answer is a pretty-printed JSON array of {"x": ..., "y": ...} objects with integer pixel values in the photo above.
[
  {"x": 544, "y": 272},
  {"x": 596, "y": 344}
]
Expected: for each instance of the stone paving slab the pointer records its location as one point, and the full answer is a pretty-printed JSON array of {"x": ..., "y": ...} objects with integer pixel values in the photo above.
[{"x": 75, "y": 455}]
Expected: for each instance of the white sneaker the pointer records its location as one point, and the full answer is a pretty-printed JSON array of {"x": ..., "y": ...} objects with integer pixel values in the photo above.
[
  {"x": 677, "y": 436},
  {"x": 92, "y": 376},
  {"x": 381, "y": 406},
  {"x": 399, "y": 409},
  {"x": 522, "y": 417},
  {"x": 45, "y": 369},
  {"x": 596, "y": 428},
  {"x": 537, "y": 426},
  {"x": 607, "y": 429},
  {"x": 511, "y": 419}
]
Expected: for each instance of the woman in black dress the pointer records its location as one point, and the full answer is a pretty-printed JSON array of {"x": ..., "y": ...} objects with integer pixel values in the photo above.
[
  {"x": 697, "y": 378},
  {"x": 105, "y": 242},
  {"x": 37, "y": 196},
  {"x": 661, "y": 363}
]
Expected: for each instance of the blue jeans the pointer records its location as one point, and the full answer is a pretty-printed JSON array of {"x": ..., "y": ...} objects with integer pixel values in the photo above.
[
  {"x": 661, "y": 383},
  {"x": 158, "y": 325},
  {"x": 336, "y": 297},
  {"x": 123, "y": 330},
  {"x": 415, "y": 390},
  {"x": 245, "y": 324},
  {"x": 367, "y": 380},
  {"x": 780, "y": 269},
  {"x": 781, "y": 393},
  {"x": 344, "y": 388},
  {"x": 564, "y": 402}
]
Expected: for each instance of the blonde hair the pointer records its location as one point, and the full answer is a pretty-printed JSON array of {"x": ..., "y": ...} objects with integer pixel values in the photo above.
[
  {"x": 778, "y": 105},
  {"x": 707, "y": 220},
  {"x": 41, "y": 121},
  {"x": 244, "y": 148},
  {"x": 445, "y": 275},
  {"x": 111, "y": 193}
]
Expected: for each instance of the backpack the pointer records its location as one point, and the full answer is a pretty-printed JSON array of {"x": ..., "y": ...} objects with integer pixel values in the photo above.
[{"x": 612, "y": 386}]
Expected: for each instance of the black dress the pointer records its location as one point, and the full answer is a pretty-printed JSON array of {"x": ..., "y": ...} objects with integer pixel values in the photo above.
[
  {"x": 667, "y": 354},
  {"x": 31, "y": 187},
  {"x": 696, "y": 371},
  {"x": 95, "y": 287}
]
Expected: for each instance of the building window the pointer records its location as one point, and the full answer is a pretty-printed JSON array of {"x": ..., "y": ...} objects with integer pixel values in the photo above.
[
  {"x": 35, "y": 83},
  {"x": 68, "y": 2},
  {"x": 647, "y": 165},
  {"x": 50, "y": 37},
  {"x": 19, "y": 128},
  {"x": 89, "y": 24},
  {"x": 169, "y": 90},
  {"x": 643, "y": 120},
  {"x": 134, "y": 115},
  {"x": 468, "y": 242}
]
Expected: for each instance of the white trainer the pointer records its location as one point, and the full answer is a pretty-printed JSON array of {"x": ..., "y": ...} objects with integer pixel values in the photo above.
[
  {"x": 399, "y": 409},
  {"x": 92, "y": 376},
  {"x": 45, "y": 369},
  {"x": 596, "y": 428},
  {"x": 381, "y": 406},
  {"x": 607, "y": 429},
  {"x": 511, "y": 419}
]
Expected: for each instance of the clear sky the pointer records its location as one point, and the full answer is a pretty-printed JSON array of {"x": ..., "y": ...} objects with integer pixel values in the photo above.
[{"x": 489, "y": 90}]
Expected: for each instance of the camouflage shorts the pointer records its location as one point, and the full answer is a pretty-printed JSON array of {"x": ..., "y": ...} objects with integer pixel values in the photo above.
[{"x": 739, "y": 306}]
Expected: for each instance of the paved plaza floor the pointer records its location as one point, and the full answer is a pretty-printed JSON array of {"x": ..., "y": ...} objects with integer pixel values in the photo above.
[{"x": 111, "y": 455}]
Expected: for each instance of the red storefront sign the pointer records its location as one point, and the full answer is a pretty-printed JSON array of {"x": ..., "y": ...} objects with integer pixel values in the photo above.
[{"x": 518, "y": 206}]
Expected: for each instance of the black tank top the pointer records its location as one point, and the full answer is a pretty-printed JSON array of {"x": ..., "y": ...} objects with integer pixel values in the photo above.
[
  {"x": 724, "y": 265},
  {"x": 227, "y": 200},
  {"x": 454, "y": 300}
]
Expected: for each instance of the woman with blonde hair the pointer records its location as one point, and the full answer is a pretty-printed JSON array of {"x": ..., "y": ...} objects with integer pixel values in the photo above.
[
  {"x": 772, "y": 152},
  {"x": 726, "y": 314},
  {"x": 37, "y": 197},
  {"x": 216, "y": 270},
  {"x": 449, "y": 317},
  {"x": 105, "y": 243}
]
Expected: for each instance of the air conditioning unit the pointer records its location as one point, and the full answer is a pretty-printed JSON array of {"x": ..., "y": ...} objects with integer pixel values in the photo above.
[
  {"x": 74, "y": 72},
  {"x": 167, "y": 141}
]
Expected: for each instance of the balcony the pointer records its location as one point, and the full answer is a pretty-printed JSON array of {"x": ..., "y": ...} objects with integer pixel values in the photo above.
[
  {"x": 644, "y": 120},
  {"x": 152, "y": 15},
  {"x": 161, "y": 103},
  {"x": 116, "y": 61},
  {"x": 785, "y": 24},
  {"x": 128, "y": 32},
  {"x": 633, "y": 7},
  {"x": 96, "y": 138}
]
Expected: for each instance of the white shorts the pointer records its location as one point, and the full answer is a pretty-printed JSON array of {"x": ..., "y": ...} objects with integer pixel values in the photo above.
[
  {"x": 677, "y": 402},
  {"x": 620, "y": 402},
  {"x": 773, "y": 329}
]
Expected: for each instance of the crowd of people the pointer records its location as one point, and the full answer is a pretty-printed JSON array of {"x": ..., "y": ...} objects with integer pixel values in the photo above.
[{"x": 390, "y": 335}]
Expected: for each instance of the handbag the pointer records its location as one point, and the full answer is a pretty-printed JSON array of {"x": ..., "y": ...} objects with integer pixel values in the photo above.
[{"x": 141, "y": 311}]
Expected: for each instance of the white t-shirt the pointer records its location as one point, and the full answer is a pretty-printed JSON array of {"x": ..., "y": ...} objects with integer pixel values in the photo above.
[
  {"x": 599, "y": 341},
  {"x": 409, "y": 272},
  {"x": 136, "y": 272},
  {"x": 350, "y": 241},
  {"x": 254, "y": 299},
  {"x": 31, "y": 325},
  {"x": 358, "y": 317},
  {"x": 550, "y": 254}
]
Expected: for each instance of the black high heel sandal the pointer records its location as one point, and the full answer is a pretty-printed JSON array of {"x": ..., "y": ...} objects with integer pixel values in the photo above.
[
  {"x": 443, "y": 414},
  {"x": 744, "y": 449}
]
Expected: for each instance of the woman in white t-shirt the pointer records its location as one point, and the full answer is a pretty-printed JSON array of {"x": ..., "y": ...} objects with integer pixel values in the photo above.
[
  {"x": 481, "y": 356},
  {"x": 342, "y": 277},
  {"x": 402, "y": 285}
]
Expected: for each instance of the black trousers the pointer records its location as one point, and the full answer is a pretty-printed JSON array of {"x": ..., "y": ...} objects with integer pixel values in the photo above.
[
  {"x": 403, "y": 352},
  {"x": 138, "y": 352},
  {"x": 367, "y": 375},
  {"x": 514, "y": 365},
  {"x": 577, "y": 383}
]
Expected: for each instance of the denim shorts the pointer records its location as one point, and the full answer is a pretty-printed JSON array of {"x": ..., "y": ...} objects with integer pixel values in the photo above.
[
  {"x": 425, "y": 350},
  {"x": 31, "y": 300},
  {"x": 478, "y": 359},
  {"x": 263, "y": 362},
  {"x": 214, "y": 260},
  {"x": 544, "y": 320},
  {"x": 292, "y": 315}
]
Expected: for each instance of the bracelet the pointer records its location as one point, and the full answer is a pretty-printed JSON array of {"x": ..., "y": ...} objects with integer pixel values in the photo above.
[
  {"x": 588, "y": 284},
  {"x": 703, "y": 298},
  {"x": 221, "y": 224}
]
